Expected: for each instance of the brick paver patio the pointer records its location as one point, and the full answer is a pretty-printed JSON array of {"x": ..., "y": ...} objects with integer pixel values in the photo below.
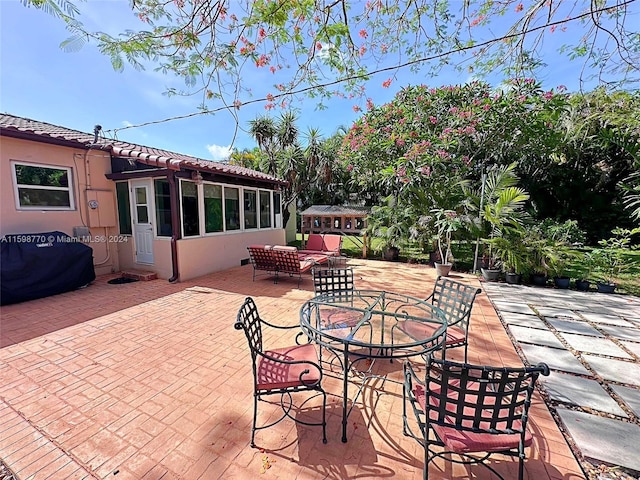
[{"x": 149, "y": 380}]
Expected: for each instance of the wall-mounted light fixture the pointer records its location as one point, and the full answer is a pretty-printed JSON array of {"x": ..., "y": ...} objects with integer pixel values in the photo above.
[{"x": 196, "y": 177}]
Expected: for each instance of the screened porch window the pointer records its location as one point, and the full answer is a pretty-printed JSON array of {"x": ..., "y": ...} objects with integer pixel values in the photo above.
[
  {"x": 265, "y": 209},
  {"x": 124, "y": 208},
  {"x": 232, "y": 208},
  {"x": 163, "y": 207},
  {"x": 190, "y": 214},
  {"x": 250, "y": 209},
  {"x": 213, "y": 218}
]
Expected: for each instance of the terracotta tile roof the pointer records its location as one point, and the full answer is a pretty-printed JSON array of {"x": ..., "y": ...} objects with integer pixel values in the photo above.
[{"x": 11, "y": 125}]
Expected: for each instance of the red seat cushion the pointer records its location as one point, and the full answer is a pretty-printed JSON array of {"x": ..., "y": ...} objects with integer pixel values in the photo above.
[
  {"x": 460, "y": 441},
  {"x": 273, "y": 374},
  {"x": 332, "y": 243},
  {"x": 420, "y": 330},
  {"x": 318, "y": 258}
]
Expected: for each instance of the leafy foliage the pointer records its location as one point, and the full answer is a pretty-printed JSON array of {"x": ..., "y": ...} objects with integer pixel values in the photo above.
[{"x": 332, "y": 48}]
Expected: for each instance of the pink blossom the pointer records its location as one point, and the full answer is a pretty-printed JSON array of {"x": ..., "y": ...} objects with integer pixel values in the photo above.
[
  {"x": 466, "y": 160},
  {"x": 548, "y": 95},
  {"x": 370, "y": 104},
  {"x": 400, "y": 142},
  {"x": 318, "y": 46},
  {"x": 426, "y": 171},
  {"x": 433, "y": 119},
  {"x": 272, "y": 69},
  {"x": 519, "y": 7},
  {"x": 262, "y": 60},
  {"x": 561, "y": 88},
  {"x": 350, "y": 168},
  {"x": 486, "y": 107},
  {"x": 363, "y": 33},
  {"x": 453, "y": 110},
  {"x": 270, "y": 97},
  {"x": 386, "y": 83},
  {"x": 356, "y": 108}
]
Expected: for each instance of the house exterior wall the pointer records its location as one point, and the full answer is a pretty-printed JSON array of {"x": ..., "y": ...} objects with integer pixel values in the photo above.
[
  {"x": 202, "y": 255},
  {"x": 88, "y": 183},
  {"x": 112, "y": 251}
]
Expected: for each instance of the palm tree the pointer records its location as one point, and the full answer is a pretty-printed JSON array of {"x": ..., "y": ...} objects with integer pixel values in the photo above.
[{"x": 497, "y": 207}]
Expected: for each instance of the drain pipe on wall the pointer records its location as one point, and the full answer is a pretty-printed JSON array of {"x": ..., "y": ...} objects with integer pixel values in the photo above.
[{"x": 175, "y": 225}]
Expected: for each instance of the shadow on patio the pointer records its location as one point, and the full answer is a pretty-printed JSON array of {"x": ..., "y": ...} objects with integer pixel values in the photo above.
[{"x": 150, "y": 380}]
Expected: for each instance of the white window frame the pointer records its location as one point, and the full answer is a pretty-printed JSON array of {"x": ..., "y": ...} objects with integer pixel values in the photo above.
[
  {"x": 199, "y": 192},
  {"x": 241, "y": 191},
  {"x": 203, "y": 220},
  {"x": 271, "y": 219},
  {"x": 69, "y": 189},
  {"x": 257, "y": 201}
]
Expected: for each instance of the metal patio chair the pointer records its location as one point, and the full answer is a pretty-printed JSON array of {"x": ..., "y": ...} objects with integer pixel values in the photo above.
[
  {"x": 280, "y": 371},
  {"x": 455, "y": 299},
  {"x": 472, "y": 411}
]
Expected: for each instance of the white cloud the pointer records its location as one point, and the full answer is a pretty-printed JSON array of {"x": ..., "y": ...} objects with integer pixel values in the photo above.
[
  {"x": 127, "y": 123},
  {"x": 219, "y": 152}
]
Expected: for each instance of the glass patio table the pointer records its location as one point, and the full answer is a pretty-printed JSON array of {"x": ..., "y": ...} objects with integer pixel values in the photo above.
[{"x": 359, "y": 325}]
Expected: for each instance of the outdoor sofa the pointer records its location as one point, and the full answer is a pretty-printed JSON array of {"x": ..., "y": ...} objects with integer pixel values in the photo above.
[
  {"x": 323, "y": 243},
  {"x": 278, "y": 259}
]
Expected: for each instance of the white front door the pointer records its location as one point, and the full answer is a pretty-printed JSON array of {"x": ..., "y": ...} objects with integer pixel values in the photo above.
[{"x": 142, "y": 222}]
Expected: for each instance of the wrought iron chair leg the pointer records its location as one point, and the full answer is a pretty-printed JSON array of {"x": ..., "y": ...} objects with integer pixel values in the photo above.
[{"x": 255, "y": 418}]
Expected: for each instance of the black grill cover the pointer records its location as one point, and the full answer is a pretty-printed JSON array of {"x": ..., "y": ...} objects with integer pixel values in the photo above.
[{"x": 36, "y": 265}]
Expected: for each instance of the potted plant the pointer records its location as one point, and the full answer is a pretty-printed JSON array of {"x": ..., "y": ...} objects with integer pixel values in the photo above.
[
  {"x": 583, "y": 283},
  {"x": 558, "y": 263},
  {"x": 446, "y": 223},
  {"x": 386, "y": 223},
  {"x": 608, "y": 259},
  {"x": 513, "y": 254},
  {"x": 542, "y": 252},
  {"x": 491, "y": 267}
]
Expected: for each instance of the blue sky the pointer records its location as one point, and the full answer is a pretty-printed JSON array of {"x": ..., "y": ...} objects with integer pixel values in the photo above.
[{"x": 79, "y": 90}]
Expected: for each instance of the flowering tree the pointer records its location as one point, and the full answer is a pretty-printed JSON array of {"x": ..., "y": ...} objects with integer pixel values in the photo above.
[
  {"x": 430, "y": 138},
  {"x": 325, "y": 48}
]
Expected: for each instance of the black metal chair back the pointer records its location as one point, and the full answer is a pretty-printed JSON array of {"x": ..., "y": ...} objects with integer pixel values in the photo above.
[
  {"x": 455, "y": 299},
  {"x": 248, "y": 319},
  {"x": 481, "y": 401},
  {"x": 337, "y": 283},
  {"x": 281, "y": 371}
]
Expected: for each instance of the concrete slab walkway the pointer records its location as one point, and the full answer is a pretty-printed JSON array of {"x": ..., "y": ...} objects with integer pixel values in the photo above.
[
  {"x": 150, "y": 381},
  {"x": 591, "y": 341}
]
